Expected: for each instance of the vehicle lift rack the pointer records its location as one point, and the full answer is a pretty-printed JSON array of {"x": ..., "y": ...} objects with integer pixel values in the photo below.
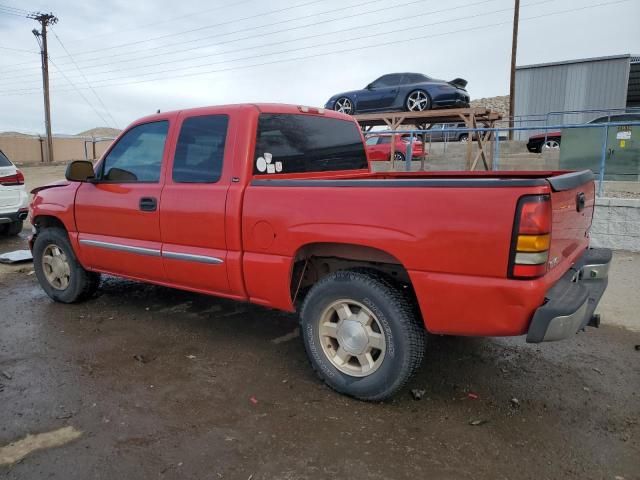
[{"x": 474, "y": 117}]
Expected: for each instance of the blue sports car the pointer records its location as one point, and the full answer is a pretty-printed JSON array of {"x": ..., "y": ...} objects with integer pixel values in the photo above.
[{"x": 412, "y": 92}]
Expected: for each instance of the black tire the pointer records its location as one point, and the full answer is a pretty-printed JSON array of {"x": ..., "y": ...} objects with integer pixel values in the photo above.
[
  {"x": 464, "y": 137},
  {"x": 395, "y": 312},
  {"x": 398, "y": 157},
  {"x": 82, "y": 283}
]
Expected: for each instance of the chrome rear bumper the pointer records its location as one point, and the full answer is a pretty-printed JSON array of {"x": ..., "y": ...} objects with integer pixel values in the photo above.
[{"x": 570, "y": 303}]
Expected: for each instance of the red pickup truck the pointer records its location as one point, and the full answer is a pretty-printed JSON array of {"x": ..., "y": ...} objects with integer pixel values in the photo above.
[{"x": 275, "y": 205}]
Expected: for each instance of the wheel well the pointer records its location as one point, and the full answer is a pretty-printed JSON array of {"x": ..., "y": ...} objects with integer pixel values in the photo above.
[
  {"x": 46, "y": 221},
  {"x": 315, "y": 261}
]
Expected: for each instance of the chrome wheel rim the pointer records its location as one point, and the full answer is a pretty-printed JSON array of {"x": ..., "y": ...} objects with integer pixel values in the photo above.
[
  {"x": 398, "y": 157},
  {"x": 343, "y": 105},
  {"x": 464, "y": 139},
  {"x": 417, "y": 101},
  {"x": 551, "y": 144},
  {"x": 352, "y": 338},
  {"x": 56, "y": 267}
]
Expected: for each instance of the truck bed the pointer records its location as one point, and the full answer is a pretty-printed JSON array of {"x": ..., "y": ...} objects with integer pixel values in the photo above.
[{"x": 451, "y": 230}]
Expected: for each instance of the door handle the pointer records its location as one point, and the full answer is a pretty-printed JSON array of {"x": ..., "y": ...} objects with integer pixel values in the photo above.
[{"x": 148, "y": 204}]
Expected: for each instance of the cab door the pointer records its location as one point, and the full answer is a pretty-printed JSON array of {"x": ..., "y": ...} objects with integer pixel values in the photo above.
[
  {"x": 192, "y": 207},
  {"x": 117, "y": 215}
]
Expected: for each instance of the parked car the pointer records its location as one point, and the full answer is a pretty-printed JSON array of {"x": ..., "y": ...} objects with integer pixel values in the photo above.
[
  {"x": 441, "y": 133},
  {"x": 276, "y": 205},
  {"x": 379, "y": 147},
  {"x": 552, "y": 140},
  {"x": 14, "y": 198},
  {"x": 413, "y": 92}
]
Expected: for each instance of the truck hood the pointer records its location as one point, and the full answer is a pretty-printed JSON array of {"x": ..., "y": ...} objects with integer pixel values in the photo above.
[{"x": 58, "y": 183}]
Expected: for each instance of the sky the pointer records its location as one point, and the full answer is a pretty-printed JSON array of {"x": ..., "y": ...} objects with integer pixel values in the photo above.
[{"x": 116, "y": 60}]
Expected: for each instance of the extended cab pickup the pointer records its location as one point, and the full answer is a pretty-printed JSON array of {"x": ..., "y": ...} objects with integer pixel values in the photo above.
[{"x": 275, "y": 205}]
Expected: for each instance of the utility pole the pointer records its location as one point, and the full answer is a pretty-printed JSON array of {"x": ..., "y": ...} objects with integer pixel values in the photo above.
[
  {"x": 45, "y": 20},
  {"x": 514, "y": 53}
]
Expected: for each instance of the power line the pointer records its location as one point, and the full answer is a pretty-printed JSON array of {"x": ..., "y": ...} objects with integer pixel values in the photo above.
[
  {"x": 169, "y": 20},
  {"x": 262, "y": 35},
  {"x": 334, "y": 42},
  {"x": 115, "y": 124},
  {"x": 18, "y": 50},
  {"x": 284, "y": 9},
  {"x": 349, "y": 50},
  {"x": 13, "y": 11},
  {"x": 80, "y": 93},
  {"x": 252, "y": 28},
  {"x": 18, "y": 10}
]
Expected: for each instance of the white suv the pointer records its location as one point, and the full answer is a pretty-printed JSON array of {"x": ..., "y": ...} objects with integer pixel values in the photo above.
[{"x": 14, "y": 199}]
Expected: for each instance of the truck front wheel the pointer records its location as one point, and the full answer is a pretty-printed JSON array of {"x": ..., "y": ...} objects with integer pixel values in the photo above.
[
  {"x": 59, "y": 272},
  {"x": 361, "y": 334}
]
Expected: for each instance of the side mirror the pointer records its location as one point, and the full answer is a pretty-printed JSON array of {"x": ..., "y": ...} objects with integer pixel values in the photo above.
[
  {"x": 79, "y": 171},
  {"x": 369, "y": 87}
]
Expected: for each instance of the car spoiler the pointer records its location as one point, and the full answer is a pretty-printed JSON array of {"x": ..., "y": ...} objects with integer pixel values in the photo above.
[{"x": 458, "y": 82}]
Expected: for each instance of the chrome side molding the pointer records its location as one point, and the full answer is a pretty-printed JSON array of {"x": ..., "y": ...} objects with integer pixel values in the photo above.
[
  {"x": 189, "y": 257},
  {"x": 152, "y": 252},
  {"x": 192, "y": 258}
]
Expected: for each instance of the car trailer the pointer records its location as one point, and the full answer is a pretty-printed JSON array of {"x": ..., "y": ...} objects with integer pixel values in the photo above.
[{"x": 473, "y": 118}]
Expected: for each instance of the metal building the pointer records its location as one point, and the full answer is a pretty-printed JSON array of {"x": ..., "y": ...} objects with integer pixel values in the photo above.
[{"x": 588, "y": 84}]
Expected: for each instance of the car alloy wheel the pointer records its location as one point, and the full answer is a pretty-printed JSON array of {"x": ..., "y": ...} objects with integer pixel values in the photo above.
[
  {"x": 352, "y": 338},
  {"x": 551, "y": 144},
  {"x": 398, "y": 157},
  {"x": 56, "y": 267},
  {"x": 343, "y": 105},
  {"x": 418, "y": 101}
]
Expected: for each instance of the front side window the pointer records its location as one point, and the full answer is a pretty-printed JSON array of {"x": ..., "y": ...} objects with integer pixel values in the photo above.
[
  {"x": 137, "y": 157},
  {"x": 372, "y": 140},
  {"x": 385, "y": 140},
  {"x": 200, "y": 149},
  {"x": 387, "y": 81},
  {"x": 291, "y": 143}
]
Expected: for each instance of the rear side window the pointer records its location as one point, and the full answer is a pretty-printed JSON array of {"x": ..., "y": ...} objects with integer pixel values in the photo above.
[
  {"x": 137, "y": 157},
  {"x": 289, "y": 143},
  {"x": 4, "y": 161},
  {"x": 200, "y": 149}
]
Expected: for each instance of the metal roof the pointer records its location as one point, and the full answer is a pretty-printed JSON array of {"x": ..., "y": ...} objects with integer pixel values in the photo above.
[{"x": 633, "y": 59}]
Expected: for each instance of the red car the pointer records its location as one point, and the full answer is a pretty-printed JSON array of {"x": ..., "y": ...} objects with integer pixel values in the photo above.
[
  {"x": 379, "y": 147},
  {"x": 276, "y": 205},
  {"x": 552, "y": 140}
]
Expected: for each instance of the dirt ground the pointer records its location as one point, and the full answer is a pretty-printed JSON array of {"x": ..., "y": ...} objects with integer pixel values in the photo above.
[{"x": 156, "y": 383}]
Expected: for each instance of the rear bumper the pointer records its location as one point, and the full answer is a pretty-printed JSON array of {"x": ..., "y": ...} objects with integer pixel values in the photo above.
[
  {"x": 14, "y": 216},
  {"x": 571, "y": 301}
]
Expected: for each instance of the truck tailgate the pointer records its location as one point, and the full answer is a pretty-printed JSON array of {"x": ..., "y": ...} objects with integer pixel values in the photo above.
[{"x": 572, "y": 203}]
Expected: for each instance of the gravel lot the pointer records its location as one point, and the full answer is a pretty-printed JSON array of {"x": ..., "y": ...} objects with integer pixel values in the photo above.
[{"x": 155, "y": 383}]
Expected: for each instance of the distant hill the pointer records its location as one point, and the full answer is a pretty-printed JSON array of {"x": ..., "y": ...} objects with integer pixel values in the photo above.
[
  {"x": 100, "y": 132},
  {"x": 497, "y": 104}
]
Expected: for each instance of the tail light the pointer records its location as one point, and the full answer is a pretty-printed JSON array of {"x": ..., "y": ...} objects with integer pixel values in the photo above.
[
  {"x": 12, "y": 180},
  {"x": 531, "y": 237}
]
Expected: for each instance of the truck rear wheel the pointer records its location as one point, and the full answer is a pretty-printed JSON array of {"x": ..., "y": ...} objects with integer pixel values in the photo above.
[
  {"x": 361, "y": 334},
  {"x": 59, "y": 272}
]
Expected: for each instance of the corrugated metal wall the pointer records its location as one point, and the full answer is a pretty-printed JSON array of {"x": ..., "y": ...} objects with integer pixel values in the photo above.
[{"x": 587, "y": 85}]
